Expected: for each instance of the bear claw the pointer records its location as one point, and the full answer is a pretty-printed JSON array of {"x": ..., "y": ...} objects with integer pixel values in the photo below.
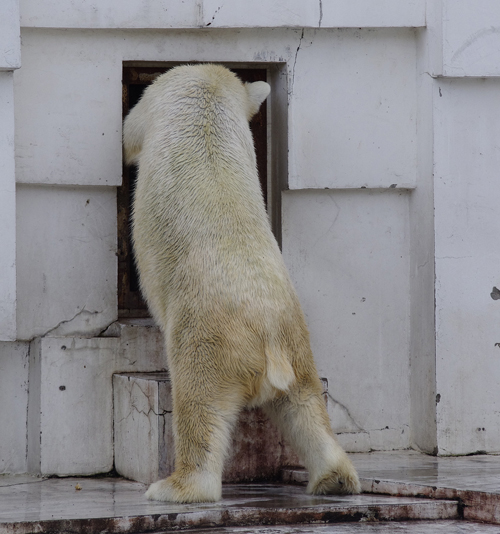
[
  {"x": 160, "y": 491},
  {"x": 197, "y": 487},
  {"x": 336, "y": 483}
]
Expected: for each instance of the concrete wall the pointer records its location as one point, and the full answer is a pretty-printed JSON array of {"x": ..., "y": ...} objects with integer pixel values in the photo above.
[
  {"x": 10, "y": 59},
  {"x": 348, "y": 253},
  {"x": 209, "y": 13},
  {"x": 467, "y": 193},
  {"x": 14, "y": 360},
  {"x": 385, "y": 137},
  {"x": 66, "y": 254},
  {"x": 7, "y": 210}
]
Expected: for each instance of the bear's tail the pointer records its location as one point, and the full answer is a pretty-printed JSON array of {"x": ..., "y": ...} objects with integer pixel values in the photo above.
[{"x": 279, "y": 369}]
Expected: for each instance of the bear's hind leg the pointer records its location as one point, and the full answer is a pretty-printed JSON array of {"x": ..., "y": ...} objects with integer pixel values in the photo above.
[
  {"x": 202, "y": 431},
  {"x": 302, "y": 417}
]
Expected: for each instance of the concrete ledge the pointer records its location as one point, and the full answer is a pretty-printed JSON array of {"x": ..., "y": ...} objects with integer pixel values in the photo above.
[
  {"x": 471, "y": 480},
  {"x": 119, "y": 506},
  {"x": 237, "y": 14},
  {"x": 477, "y": 505},
  {"x": 10, "y": 35}
]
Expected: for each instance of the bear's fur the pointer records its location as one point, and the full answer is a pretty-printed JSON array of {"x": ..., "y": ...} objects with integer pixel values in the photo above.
[{"x": 215, "y": 281}]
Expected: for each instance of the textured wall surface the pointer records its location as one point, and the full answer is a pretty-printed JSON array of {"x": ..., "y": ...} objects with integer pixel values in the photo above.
[
  {"x": 467, "y": 193},
  {"x": 13, "y": 406}
]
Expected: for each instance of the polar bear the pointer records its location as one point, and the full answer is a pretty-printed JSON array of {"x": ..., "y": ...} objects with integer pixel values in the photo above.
[{"x": 215, "y": 282}]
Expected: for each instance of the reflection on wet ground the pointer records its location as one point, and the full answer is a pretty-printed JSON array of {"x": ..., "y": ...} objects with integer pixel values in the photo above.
[{"x": 401, "y": 486}]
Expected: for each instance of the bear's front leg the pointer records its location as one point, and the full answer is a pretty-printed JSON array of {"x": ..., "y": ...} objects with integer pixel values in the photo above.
[{"x": 204, "y": 416}]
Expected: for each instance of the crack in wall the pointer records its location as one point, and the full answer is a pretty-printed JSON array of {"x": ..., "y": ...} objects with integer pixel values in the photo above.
[
  {"x": 28, "y": 357},
  {"x": 213, "y": 18},
  {"x": 290, "y": 92},
  {"x": 330, "y": 228},
  {"x": 65, "y": 327},
  {"x": 320, "y": 13},
  {"x": 347, "y": 414},
  {"x": 134, "y": 408},
  {"x": 134, "y": 404}
]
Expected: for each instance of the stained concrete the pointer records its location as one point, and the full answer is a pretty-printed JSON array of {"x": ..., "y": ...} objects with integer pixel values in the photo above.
[
  {"x": 407, "y": 527},
  {"x": 472, "y": 480},
  {"x": 89, "y": 505},
  {"x": 118, "y": 505}
]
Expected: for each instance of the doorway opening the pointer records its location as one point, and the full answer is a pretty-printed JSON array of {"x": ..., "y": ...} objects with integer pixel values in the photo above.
[{"x": 138, "y": 76}]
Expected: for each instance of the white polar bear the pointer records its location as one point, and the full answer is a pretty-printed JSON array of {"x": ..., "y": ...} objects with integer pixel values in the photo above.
[{"x": 215, "y": 281}]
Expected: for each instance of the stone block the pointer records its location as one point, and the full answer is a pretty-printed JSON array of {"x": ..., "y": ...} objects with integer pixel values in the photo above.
[
  {"x": 359, "y": 130},
  {"x": 470, "y": 38},
  {"x": 79, "y": 141},
  {"x": 10, "y": 41},
  {"x": 143, "y": 426},
  {"x": 336, "y": 244},
  {"x": 467, "y": 255},
  {"x": 144, "y": 444},
  {"x": 13, "y": 406},
  {"x": 70, "y": 410},
  {"x": 66, "y": 261},
  {"x": 235, "y": 14},
  {"x": 141, "y": 346},
  {"x": 7, "y": 206}
]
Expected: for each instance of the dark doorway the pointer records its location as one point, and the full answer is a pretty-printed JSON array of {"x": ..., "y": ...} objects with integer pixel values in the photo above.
[{"x": 135, "y": 80}]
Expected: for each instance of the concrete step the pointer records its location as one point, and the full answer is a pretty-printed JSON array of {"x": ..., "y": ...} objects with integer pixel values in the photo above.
[
  {"x": 143, "y": 436},
  {"x": 474, "y": 481},
  {"x": 406, "y": 527},
  {"x": 85, "y": 505}
]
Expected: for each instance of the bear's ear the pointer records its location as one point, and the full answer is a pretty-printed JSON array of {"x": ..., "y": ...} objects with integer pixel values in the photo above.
[
  {"x": 134, "y": 130},
  {"x": 257, "y": 93}
]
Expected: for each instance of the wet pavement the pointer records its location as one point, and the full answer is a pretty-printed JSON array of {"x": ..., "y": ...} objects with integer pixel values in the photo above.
[
  {"x": 116, "y": 505},
  {"x": 474, "y": 481},
  {"x": 407, "y": 527},
  {"x": 465, "y": 473},
  {"x": 402, "y": 486}
]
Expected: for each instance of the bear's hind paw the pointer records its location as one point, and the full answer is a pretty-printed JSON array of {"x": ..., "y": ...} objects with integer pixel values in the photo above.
[
  {"x": 161, "y": 491},
  {"x": 192, "y": 489},
  {"x": 336, "y": 482}
]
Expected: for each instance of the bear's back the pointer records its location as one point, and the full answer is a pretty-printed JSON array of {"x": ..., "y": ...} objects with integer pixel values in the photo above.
[{"x": 200, "y": 224}]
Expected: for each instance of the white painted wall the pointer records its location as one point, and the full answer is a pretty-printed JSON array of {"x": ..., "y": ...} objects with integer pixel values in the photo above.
[
  {"x": 10, "y": 35},
  {"x": 74, "y": 406},
  {"x": 70, "y": 416},
  {"x": 214, "y": 14},
  {"x": 13, "y": 406},
  {"x": 348, "y": 255},
  {"x": 74, "y": 138},
  {"x": 422, "y": 272},
  {"x": 10, "y": 59},
  {"x": 467, "y": 196},
  {"x": 7, "y": 210},
  {"x": 353, "y": 110},
  {"x": 470, "y": 38},
  {"x": 66, "y": 259}
]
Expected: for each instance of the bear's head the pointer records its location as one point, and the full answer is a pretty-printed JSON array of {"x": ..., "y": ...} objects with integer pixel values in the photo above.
[{"x": 172, "y": 89}]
